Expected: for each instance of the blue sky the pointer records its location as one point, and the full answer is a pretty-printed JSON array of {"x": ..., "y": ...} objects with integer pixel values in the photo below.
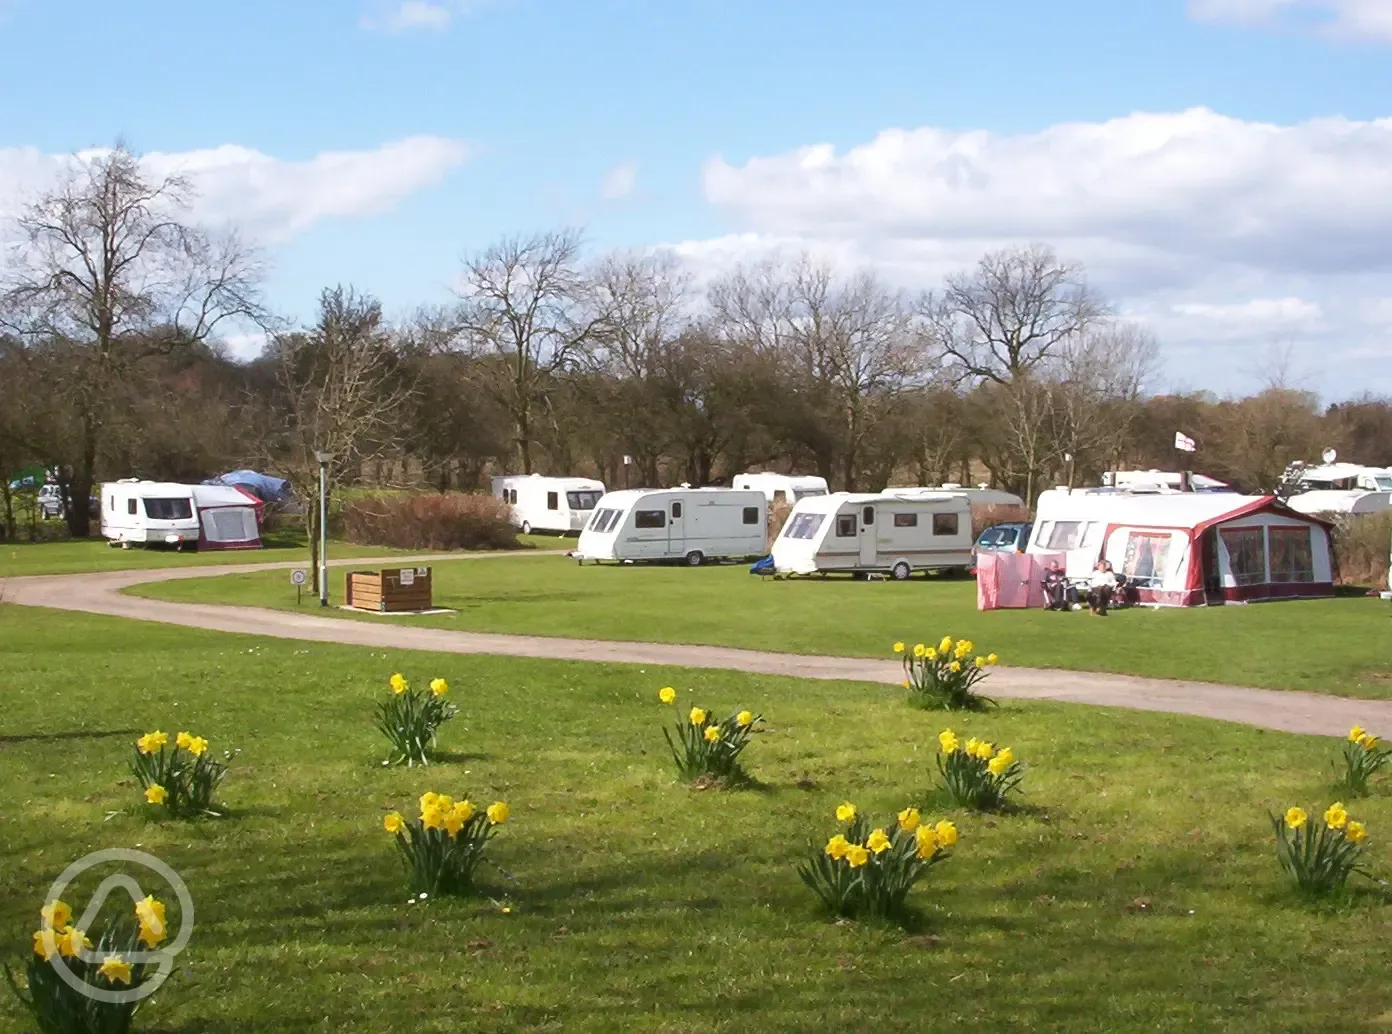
[{"x": 550, "y": 97}]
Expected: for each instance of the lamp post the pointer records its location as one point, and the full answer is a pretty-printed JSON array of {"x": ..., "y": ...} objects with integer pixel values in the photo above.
[
  {"x": 628, "y": 461},
  {"x": 324, "y": 459}
]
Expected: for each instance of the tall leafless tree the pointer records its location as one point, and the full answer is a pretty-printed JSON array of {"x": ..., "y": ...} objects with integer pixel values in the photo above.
[{"x": 109, "y": 270}]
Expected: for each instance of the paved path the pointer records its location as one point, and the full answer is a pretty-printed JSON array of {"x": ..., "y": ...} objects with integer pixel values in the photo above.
[{"x": 101, "y": 594}]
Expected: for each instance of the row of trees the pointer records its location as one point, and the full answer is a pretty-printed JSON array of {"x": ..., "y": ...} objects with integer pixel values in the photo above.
[{"x": 1013, "y": 372}]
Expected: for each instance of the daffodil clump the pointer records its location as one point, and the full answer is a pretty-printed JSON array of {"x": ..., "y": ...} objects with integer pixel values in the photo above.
[
  {"x": 180, "y": 779},
  {"x": 1363, "y": 757},
  {"x": 110, "y": 965},
  {"x": 705, "y": 745},
  {"x": 1320, "y": 854},
  {"x": 942, "y": 676},
  {"x": 410, "y": 719},
  {"x": 976, "y": 774},
  {"x": 443, "y": 846},
  {"x": 867, "y": 870}
]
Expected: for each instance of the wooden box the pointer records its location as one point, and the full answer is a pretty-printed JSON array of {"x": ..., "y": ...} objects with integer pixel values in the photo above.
[{"x": 392, "y": 589}]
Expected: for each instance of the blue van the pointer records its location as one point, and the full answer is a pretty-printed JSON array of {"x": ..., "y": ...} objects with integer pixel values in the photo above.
[{"x": 1004, "y": 538}]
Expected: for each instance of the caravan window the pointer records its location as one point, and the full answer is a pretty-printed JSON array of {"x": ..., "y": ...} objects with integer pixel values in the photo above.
[
  {"x": 130, "y": 506},
  {"x": 1064, "y": 535},
  {"x": 676, "y": 510},
  {"x": 1291, "y": 557},
  {"x": 867, "y": 516},
  {"x": 779, "y": 497},
  {"x": 803, "y": 493},
  {"x": 511, "y": 494},
  {"x": 582, "y": 500},
  {"x": 845, "y": 526},
  {"x": 1246, "y": 554},
  {"x": 553, "y": 500},
  {"x": 906, "y": 520},
  {"x": 1147, "y": 555},
  {"x": 751, "y": 515},
  {"x": 604, "y": 520},
  {"x": 803, "y": 526},
  {"x": 650, "y": 519},
  {"x": 945, "y": 524},
  {"x": 167, "y": 509}
]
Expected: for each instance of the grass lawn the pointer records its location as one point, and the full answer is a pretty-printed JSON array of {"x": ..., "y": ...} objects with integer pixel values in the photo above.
[
  {"x": 1339, "y": 646},
  {"x": 1138, "y": 892},
  {"x": 73, "y": 556}
]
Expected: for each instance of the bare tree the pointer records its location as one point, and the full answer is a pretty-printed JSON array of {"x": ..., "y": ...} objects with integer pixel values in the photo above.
[
  {"x": 110, "y": 271},
  {"x": 526, "y": 303},
  {"x": 1098, "y": 379},
  {"x": 1011, "y": 313},
  {"x": 344, "y": 390}
]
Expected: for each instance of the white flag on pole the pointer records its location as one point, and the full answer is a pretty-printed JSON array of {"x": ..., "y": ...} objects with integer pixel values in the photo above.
[{"x": 1183, "y": 442}]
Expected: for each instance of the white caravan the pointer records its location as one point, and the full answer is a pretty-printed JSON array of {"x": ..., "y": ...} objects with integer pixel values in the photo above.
[
  {"x": 781, "y": 488},
  {"x": 979, "y": 496},
  {"x": 689, "y": 524},
  {"x": 539, "y": 503},
  {"x": 202, "y": 516},
  {"x": 1342, "y": 488},
  {"x": 897, "y": 534}
]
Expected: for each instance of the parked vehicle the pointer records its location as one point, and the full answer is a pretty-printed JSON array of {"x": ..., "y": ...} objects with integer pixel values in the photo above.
[
  {"x": 1012, "y": 537},
  {"x": 782, "y": 488},
  {"x": 554, "y": 504},
  {"x": 694, "y": 525},
  {"x": 157, "y": 513},
  {"x": 50, "y": 501},
  {"x": 863, "y": 533}
]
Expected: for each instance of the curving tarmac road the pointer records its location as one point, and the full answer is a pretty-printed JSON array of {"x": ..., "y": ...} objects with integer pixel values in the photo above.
[{"x": 101, "y": 593}]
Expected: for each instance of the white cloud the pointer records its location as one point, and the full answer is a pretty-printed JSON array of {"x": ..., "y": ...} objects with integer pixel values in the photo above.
[
  {"x": 1215, "y": 229},
  {"x": 618, "y": 182},
  {"x": 268, "y": 198},
  {"x": 1350, "y": 19},
  {"x": 400, "y": 16}
]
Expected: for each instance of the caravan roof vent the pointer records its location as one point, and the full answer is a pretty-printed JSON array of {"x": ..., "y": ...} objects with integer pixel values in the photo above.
[{"x": 953, "y": 484}]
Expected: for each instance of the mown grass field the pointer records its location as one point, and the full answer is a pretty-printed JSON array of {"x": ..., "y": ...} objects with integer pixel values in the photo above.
[
  {"x": 1339, "y": 646},
  {"x": 1138, "y": 891},
  {"x": 79, "y": 556}
]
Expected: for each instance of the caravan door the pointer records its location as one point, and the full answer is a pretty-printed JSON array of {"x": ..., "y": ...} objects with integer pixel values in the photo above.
[
  {"x": 676, "y": 528},
  {"x": 869, "y": 554}
]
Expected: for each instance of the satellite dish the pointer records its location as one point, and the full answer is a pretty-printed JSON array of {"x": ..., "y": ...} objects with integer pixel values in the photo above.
[{"x": 1329, "y": 455}]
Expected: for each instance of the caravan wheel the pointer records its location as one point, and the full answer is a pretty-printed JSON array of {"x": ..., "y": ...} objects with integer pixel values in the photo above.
[
  {"x": 694, "y": 558},
  {"x": 526, "y": 527},
  {"x": 901, "y": 572}
]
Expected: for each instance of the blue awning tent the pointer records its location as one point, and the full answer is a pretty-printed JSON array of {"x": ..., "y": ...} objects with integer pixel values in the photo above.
[{"x": 266, "y": 488}]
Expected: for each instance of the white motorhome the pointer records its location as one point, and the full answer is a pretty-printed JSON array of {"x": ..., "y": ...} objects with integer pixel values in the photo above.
[
  {"x": 1343, "y": 488},
  {"x": 690, "y": 524},
  {"x": 876, "y": 532},
  {"x": 781, "y": 488},
  {"x": 561, "y": 505},
  {"x": 161, "y": 513}
]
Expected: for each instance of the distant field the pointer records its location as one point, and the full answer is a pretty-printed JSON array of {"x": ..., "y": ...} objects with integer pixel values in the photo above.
[
  {"x": 1137, "y": 892},
  {"x": 75, "y": 556},
  {"x": 1339, "y": 646}
]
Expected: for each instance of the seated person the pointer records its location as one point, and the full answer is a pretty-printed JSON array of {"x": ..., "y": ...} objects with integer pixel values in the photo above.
[
  {"x": 1101, "y": 587},
  {"x": 1057, "y": 591}
]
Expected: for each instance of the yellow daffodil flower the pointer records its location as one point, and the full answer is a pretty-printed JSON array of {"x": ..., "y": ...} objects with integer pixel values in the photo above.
[
  {"x": 908, "y": 820},
  {"x": 947, "y": 833},
  {"x": 998, "y": 764},
  {"x": 980, "y": 662},
  {"x": 878, "y": 842},
  {"x": 745, "y": 719},
  {"x": 857, "y": 856},
  {"x": 399, "y": 684},
  {"x": 71, "y": 942},
  {"x": 1355, "y": 831},
  {"x": 926, "y": 840},
  {"x": 956, "y": 665},
  {"x": 945, "y": 645},
  {"x": 1336, "y": 817},
  {"x": 667, "y": 695},
  {"x": 394, "y": 823},
  {"x": 183, "y": 740},
  {"x": 991, "y": 658},
  {"x": 836, "y": 847},
  {"x": 439, "y": 687},
  {"x": 156, "y": 794},
  {"x": 153, "y": 928},
  {"x": 898, "y": 647},
  {"x": 1356, "y": 733},
  {"x": 46, "y": 943},
  {"x": 947, "y": 741},
  {"x": 115, "y": 969},
  {"x": 698, "y": 716},
  {"x": 918, "y": 650},
  {"x": 905, "y": 683},
  {"x": 1368, "y": 741},
  {"x": 465, "y": 810},
  {"x": 56, "y": 915},
  {"x": 1295, "y": 818},
  {"x": 712, "y": 734},
  {"x": 498, "y": 813},
  {"x": 930, "y": 654},
  {"x": 197, "y": 745},
  {"x": 846, "y": 812},
  {"x": 453, "y": 822},
  {"x": 151, "y": 742}
]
